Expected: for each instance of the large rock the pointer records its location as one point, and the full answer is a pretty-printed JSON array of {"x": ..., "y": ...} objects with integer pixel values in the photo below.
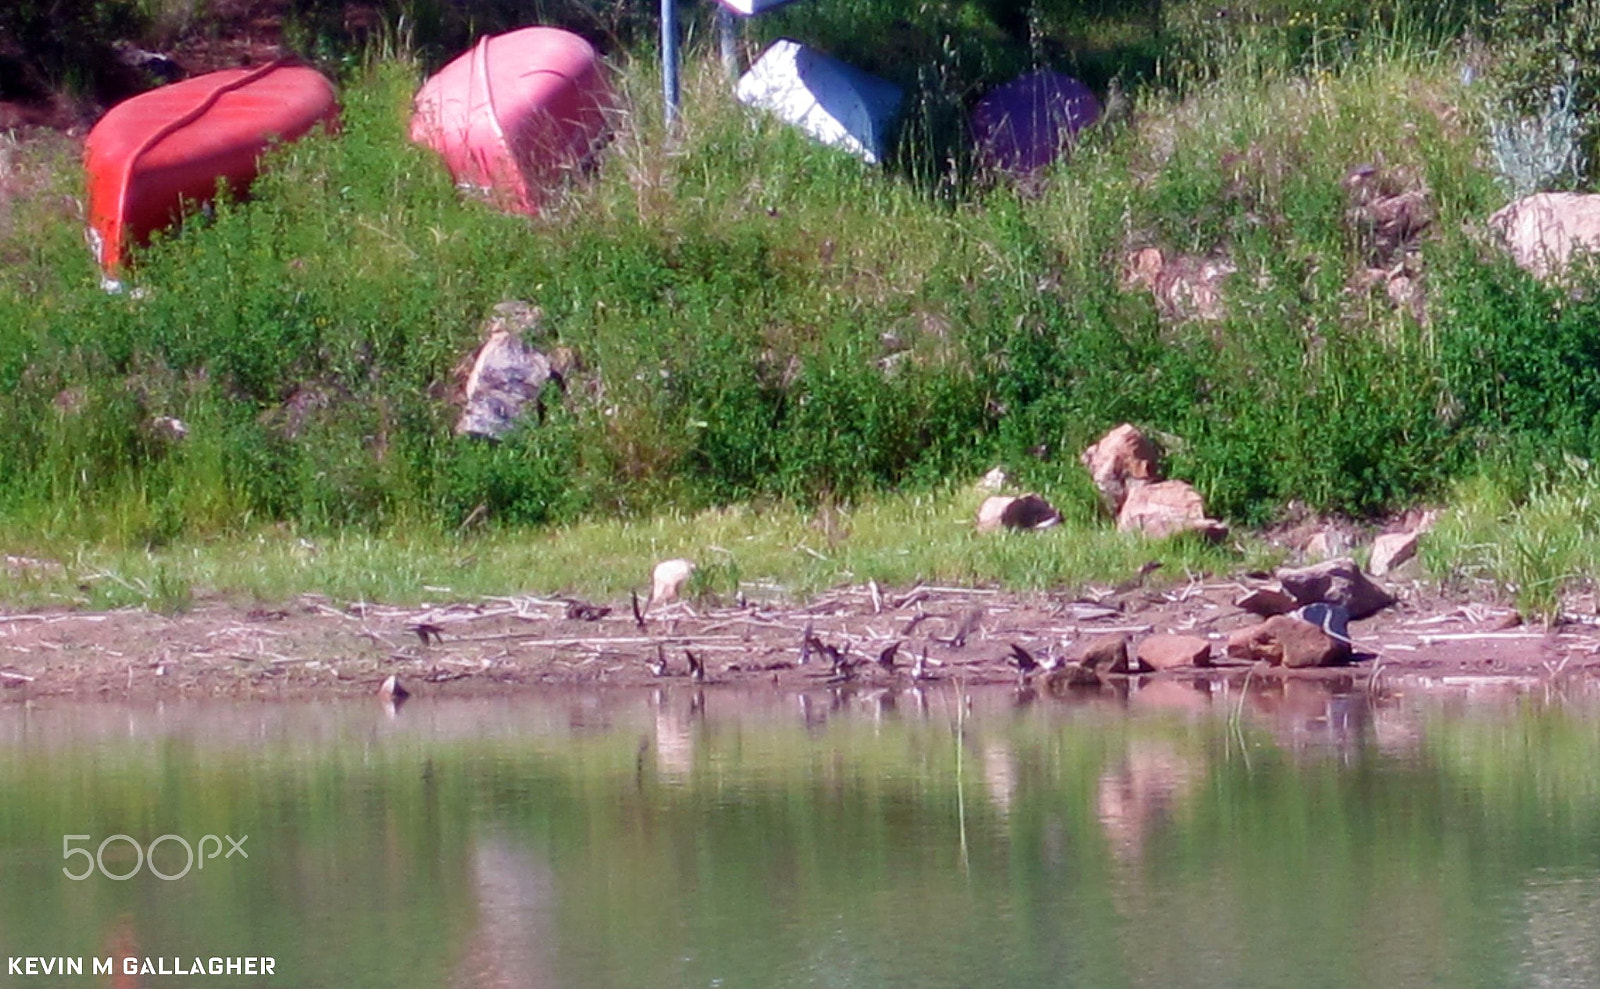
[
  {"x": 1121, "y": 458},
  {"x": 1392, "y": 549},
  {"x": 1331, "y": 618},
  {"x": 1165, "y": 652},
  {"x": 507, "y": 375},
  {"x": 1327, "y": 544},
  {"x": 1106, "y": 653},
  {"x": 1166, "y": 509},
  {"x": 1267, "y": 601},
  {"x": 1544, "y": 231},
  {"x": 1027, "y": 511},
  {"x": 1185, "y": 286},
  {"x": 1336, "y": 582},
  {"x": 1283, "y": 640},
  {"x": 1387, "y": 213}
]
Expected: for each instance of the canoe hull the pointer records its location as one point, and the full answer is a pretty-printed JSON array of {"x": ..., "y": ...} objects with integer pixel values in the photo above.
[
  {"x": 1031, "y": 121},
  {"x": 152, "y": 155},
  {"x": 516, "y": 114},
  {"x": 834, "y": 103}
]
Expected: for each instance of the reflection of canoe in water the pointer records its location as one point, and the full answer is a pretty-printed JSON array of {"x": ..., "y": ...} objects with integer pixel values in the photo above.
[
  {"x": 151, "y": 154},
  {"x": 516, "y": 113}
]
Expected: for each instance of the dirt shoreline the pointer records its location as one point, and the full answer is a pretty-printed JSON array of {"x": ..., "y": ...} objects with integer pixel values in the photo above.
[{"x": 311, "y": 648}]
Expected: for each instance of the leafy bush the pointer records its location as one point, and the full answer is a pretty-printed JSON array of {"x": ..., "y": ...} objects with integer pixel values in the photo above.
[
  {"x": 1546, "y": 71},
  {"x": 1542, "y": 152}
]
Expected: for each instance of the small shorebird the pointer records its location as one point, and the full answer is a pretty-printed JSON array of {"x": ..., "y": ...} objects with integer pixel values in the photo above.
[
  {"x": 1023, "y": 660},
  {"x": 844, "y": 665},
  {"x": 969, "y": 624},
  {"x": 583, "y": 611}
]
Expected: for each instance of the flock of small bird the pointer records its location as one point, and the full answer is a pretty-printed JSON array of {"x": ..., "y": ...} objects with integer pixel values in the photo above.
[
  {"x": 842, "y": 663},
  {"x": 845, "y": 666}
]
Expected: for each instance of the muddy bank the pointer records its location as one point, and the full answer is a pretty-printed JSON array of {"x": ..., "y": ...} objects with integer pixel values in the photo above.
[{"x": 311, "y": 648}]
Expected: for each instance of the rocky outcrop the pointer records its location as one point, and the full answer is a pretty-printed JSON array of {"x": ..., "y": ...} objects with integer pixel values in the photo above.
[
  {"x": 1545, "y": 231},
  {"x": 1387, "y": 212},
  {"x": 1166, "y": 509},
  {"x": 1392, "y": 549},
  {"x": 1185, "y": 286},
  {"x": 1338, "y": 582},
  {"x": 1284, "y": 640},
  {"x": 1125, "y": 466},
  {"x": 1027, "y": 511},
  {"x": 1122, "y": 457},
  {"x": 1165, "y": 651},
  {"x": 500, "y": 381}
]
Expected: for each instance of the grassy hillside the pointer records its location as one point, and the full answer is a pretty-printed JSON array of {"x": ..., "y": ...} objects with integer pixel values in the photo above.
[{"x": 761, "y": 321}]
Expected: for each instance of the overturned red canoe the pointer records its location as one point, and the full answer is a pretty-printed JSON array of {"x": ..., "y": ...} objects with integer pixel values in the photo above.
[
  {"x": 153, "y": 153},
  {"x": 516, "y": 113}
]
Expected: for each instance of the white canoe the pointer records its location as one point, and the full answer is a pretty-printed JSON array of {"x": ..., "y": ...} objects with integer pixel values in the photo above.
[{"x": 834, "y": 103}]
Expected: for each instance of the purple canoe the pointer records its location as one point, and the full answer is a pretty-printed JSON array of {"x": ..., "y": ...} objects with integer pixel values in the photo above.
[{"x": 1028, "y": 122}]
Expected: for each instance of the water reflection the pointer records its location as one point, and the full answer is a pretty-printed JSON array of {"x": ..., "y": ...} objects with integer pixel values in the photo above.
[
  {"x": 1140, "y": 792},
  {"x": 515, "y": 917},
  {"x": 1562, "y": 939},
  {"x": 1166, "y": 833}
]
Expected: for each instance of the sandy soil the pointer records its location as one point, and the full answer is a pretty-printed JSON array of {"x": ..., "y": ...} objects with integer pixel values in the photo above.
[{"x": 311, "y": 648}]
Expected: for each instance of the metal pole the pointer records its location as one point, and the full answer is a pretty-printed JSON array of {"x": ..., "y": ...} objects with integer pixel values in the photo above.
[
  {"x": 669, "y": 59},
  {"x": 728, "y": 34}
]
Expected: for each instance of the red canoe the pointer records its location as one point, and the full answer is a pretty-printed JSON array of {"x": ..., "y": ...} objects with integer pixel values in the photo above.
[
  {"x": 516, "y": 113},
  {"x": 153, "y": 153}
]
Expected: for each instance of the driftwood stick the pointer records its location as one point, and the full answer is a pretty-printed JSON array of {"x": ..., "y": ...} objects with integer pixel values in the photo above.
[
  {"x": 625, "y": 640},
  {"x": 1429, "y": 640}
]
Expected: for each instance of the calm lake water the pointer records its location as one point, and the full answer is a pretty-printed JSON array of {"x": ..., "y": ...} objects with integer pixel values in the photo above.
[{"x": 682, "y": 838}]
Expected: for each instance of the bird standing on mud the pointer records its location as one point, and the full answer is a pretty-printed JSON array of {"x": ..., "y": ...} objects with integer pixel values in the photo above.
[
  {"x": 1023, "y": 660},
  {"x": 886, "y": 657}
]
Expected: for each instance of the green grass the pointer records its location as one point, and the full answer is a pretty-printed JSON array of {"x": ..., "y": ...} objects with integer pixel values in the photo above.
[
  {"x": 762, "y": 322},
  {"x": 775, "y": 552}
]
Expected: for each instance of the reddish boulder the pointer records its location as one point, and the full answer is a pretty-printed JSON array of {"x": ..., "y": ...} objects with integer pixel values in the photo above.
[
  {"x": 1164, "y": 652},
  {"x": 1122, "y": 457},
  {"x": 1028, "y": 511},
  {"x": 1392, "y": 549},
  {"x": 1544, "y": 231},
  {"x": 1267, "y": 601},
  {"x": 1337, "y": 582},
  {"x": 1286, "y": 641},
  {"x": 1166, "y": 509},
  {"x": 1107, "y": 653}
]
